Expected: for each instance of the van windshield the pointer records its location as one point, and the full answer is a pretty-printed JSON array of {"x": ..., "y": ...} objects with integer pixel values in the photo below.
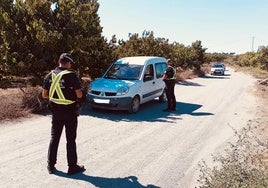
[{"x": 124, "y": 72}]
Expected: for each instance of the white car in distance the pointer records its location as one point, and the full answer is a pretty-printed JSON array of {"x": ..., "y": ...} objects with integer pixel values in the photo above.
[{"x": 217, "y": 69}]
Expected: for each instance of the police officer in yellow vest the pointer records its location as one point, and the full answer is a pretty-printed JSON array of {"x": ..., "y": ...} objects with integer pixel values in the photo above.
[{"x": 63, "y": 89}]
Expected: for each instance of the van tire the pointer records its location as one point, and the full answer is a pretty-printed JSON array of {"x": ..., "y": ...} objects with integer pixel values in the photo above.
[{"x": 135, "y": 105}]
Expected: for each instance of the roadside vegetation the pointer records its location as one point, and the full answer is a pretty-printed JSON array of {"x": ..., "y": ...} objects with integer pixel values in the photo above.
[
  {"x": 243, "y": 164},
  {"x": 34, "y": 33}
]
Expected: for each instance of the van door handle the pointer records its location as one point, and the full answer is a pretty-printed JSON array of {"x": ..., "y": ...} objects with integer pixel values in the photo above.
[{"x": 153, "y": 82}]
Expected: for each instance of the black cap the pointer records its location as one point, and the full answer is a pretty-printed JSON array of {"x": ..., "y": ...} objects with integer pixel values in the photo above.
[{"x": 66, "y": 57}]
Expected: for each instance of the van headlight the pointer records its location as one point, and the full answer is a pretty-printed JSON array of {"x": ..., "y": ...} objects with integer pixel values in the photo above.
[{"x": 123, "y": 90}]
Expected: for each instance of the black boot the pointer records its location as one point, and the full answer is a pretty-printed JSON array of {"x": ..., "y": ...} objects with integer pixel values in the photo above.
[
  {"x": 51, "y": 169},
  {"x": 75, "y": 169}
]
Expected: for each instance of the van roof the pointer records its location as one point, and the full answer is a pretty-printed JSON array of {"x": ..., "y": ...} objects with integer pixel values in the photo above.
[{"x": 140, "y": 60}]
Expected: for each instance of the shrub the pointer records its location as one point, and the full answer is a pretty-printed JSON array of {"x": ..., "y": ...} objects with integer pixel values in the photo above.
[
  {"x": 32, "y": 99},
  {"x": 243, "y": 165},
  {"x": 5, "y": 82},
  {"x": 11, "y": 105}
]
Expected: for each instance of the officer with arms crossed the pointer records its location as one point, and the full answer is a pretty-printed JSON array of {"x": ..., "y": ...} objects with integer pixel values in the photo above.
[
  {"x": 170, "y": 80},
  {"x": 63, "y": 89}
]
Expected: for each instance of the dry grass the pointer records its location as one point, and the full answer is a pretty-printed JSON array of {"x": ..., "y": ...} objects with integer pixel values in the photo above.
[
  {"x": 24, "y": 101},
  {"x": 20, "y": 102},
  {"x": 242, "y": 165},
  {"x": 190, "y": 73},
  {"x": 262, "y": 115},
  {"x": 11, "y": 104}
]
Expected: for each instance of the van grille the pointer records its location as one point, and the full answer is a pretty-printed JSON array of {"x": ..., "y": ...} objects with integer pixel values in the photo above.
[
  {"x": 95, "y": 92},
  {"x": 110, "y": 94},
  {"x": 106, "y": 93}
]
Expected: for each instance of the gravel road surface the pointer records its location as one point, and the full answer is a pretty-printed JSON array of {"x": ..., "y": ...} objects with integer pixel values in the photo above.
[{"x": 148, "y": 149}]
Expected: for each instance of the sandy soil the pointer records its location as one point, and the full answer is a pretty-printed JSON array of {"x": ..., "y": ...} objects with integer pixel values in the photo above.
[{"x": 148, "y": 149}]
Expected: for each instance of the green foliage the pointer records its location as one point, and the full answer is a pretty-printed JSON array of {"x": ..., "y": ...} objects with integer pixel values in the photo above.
[
  {"x": 181, "y": 56},
  {"x": 197, "y": 55},
  {"x": 216, "y": 57},
  {"x": 147, "y": 44},
  {"x": 263, "y": 61},
  {"x": 243, "y": 165},
  {"x": 81, "y": 35},
  {"x": 34, "y": 33},
  {"x": 258, "y": 60},
  {"x": 5, "y": 82}
]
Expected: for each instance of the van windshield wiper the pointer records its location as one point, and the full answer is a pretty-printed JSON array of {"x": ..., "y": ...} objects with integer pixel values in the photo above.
[{"x": 112, "y": 77}]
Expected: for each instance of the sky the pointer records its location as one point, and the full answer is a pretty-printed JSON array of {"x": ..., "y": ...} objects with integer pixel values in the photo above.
[{"x": 223, "y": 26}]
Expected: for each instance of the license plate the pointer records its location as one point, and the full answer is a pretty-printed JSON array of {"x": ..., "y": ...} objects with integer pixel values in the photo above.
[{"x": 102, "y": 101}]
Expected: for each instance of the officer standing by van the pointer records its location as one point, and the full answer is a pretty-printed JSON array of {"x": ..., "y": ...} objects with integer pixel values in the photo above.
[
  {"x": 63, "y": 89},
  {"x": 169, "y": 78}
]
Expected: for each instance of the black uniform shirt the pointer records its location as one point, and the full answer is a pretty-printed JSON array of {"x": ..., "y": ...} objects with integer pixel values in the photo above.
[{"x": 170, "y": 72}]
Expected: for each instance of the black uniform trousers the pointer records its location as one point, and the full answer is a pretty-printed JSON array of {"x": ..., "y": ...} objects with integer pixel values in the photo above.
[
  {"x": 56, "y": 130},
  {"x": 171, "y": 99}
]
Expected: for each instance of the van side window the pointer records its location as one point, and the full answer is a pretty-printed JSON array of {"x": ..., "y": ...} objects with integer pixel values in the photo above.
[
  {"x": 149, "y": 73},
  {"x": 160, "y": 69}
]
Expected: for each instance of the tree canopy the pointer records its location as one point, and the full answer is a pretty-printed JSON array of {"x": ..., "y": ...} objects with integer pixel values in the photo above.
[{"x": 34, "y": 33}]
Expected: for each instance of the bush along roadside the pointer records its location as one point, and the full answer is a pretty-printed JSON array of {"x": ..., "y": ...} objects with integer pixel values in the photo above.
[
  {"x": 23, "y": 101},
  {"x": 32, "y": 99},
  {"x": 244, "y": 163}
]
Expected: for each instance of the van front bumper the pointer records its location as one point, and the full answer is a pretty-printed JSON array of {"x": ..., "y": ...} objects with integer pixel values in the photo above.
[{"x": 112, "y": 103}]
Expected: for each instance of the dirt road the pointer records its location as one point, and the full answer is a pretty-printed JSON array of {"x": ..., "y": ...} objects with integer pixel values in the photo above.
[{"x": 148, "y": 149}]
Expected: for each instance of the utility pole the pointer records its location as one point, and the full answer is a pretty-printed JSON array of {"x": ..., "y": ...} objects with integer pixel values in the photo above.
[{"x": 252, "y": 45}]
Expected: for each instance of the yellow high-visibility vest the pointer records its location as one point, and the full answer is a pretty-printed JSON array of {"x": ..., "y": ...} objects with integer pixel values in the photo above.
[{"x": 55, "y": 87}]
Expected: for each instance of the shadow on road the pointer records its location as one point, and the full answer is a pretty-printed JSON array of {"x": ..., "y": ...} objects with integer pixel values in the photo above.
[
  {"x": 151, "y": 112},
  {"x": 226, "y": 76},
  {"x": 101, "y": 182},
  {"x": 188, "y": 83}
]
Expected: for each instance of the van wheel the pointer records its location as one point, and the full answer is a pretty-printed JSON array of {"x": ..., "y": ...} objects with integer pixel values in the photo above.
[
  {"x": 135, "y": 105},
  {"x": 163, "y": 97}
]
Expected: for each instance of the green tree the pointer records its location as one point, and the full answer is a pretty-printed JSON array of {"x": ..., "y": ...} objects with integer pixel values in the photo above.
[
  {"x": 147, "y": 45},
  {"x": 216, "y": 57},
  {"x": 248, "y": 60},
  {"x": 197, "y": 55},
  {"x": 24, "y": 36},
  {"x": 181, "y": 55},
  {"x": 34, "y": 33},
  {"x": 263, "y": 51},
  {"x": 79, "y": 24}
]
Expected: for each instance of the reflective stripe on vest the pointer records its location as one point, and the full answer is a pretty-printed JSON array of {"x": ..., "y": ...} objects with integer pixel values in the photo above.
[{"x": 55, "y": 87}]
